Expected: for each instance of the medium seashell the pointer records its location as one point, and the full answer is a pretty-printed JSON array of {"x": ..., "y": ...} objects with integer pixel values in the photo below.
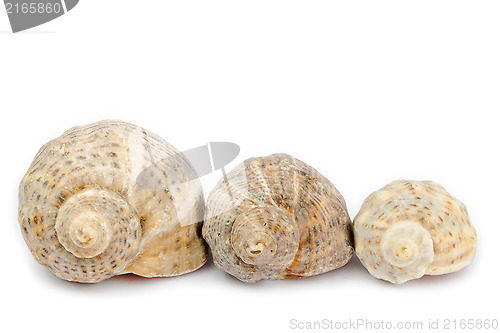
[
  {"x": 112, "y": 198},
  {"x": 276, "y": 217},
  {"x": 411, "y": 228}
]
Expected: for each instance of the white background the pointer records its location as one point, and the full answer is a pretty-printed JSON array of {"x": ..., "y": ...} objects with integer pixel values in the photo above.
[{"x": 364, "y": 91}]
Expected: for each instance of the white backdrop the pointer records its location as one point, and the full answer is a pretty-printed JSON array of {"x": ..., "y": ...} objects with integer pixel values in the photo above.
[{"x": 364, "y": 91}]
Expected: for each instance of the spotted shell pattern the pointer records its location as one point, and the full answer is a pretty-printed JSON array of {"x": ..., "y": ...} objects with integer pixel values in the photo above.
[
  {"x": 411, "y": 228},
  {"x": 112, "y": 198},
  {"x": 276, "y": 217}
]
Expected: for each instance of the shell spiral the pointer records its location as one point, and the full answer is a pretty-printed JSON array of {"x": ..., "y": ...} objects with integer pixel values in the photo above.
[
  {"x": 111, "y": 198},
  {"x": 276, "y": 217},
  {"x": 411, "y": 228}
]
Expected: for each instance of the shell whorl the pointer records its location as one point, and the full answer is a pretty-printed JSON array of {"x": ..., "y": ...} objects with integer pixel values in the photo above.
[
  {"x": 265, "y": 236},
  {"x": 411, "y": 228},
  {"x": 407, "y": 245},
  {"x": 276, "y": 217},
  {"x": 88, "y": 221},
  {"x": 111, "y": 198}
]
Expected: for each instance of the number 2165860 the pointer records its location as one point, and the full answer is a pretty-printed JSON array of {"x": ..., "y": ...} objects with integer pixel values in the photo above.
[
  {"x": 33, "y": 8},
  {"x": 470, "y": 324}
]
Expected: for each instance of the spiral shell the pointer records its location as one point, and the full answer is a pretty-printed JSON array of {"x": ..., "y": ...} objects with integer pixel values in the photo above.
[
  {"x": 112, "y": 198},
  {"x": 276, "y": 217},
  {"x": 411, "y": 228}
]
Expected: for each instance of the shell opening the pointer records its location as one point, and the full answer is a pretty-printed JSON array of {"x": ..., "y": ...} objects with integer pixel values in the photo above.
[
  {"x": 404, "y": 252},
  {"x": 255, "y": 247},
  {"x": 259, "y": 233},
  {"x": 406, "y": 243}
]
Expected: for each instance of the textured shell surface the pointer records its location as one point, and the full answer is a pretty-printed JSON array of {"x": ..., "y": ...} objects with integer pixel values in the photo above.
[
  {"x": 276, "y": 217},
  {"x": 411, "y": 228},
  {"x": 111, "y": 198}
]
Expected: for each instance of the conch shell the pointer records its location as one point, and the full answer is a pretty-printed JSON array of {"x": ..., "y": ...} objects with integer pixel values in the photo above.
[
  {"x": 112, "y": 198},
  {"x": 276, "y": 217},
  {"x": 411, "y": 228}
]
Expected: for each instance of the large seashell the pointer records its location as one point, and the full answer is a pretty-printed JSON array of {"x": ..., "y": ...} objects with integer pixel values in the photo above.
[
  {"x": 411, "y": 228},
  {"x": 276, "y": 217},
  {"x": 111, "y": 198}
]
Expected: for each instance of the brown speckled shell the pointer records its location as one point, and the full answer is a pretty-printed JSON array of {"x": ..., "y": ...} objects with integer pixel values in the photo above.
[
  {"x": 299, "y": 217},
  {"x": 87, "y": 179},
  {"x": 436, "y": 231}
]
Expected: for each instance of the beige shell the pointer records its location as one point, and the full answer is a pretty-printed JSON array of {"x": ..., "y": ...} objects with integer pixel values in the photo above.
[
  {"x": 411, "y": 228},
  {"x": 276, "y": 217},
  {"x": 112, "y": 198}
]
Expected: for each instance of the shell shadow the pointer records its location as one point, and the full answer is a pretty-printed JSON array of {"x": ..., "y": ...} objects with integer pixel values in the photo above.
[
  {"x": 351, "y": 273},
  {"x": 128, "y": 283},
  {"x": 427, "y": 283},
  {"x": 337, "y": 278}
]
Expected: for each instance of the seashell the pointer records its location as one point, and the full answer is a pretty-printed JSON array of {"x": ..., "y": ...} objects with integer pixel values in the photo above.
[
  {"x": 276, "y": 217},
  {"x": 112, "y": 198},
  {"x": 411, "y": 228}
]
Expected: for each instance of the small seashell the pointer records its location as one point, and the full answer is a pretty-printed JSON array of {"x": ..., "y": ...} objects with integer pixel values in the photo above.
[
  {"x": 112, "y": 198},
  {"x": 411, "y": 228},
  {"x": 276, "y": 217}
]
